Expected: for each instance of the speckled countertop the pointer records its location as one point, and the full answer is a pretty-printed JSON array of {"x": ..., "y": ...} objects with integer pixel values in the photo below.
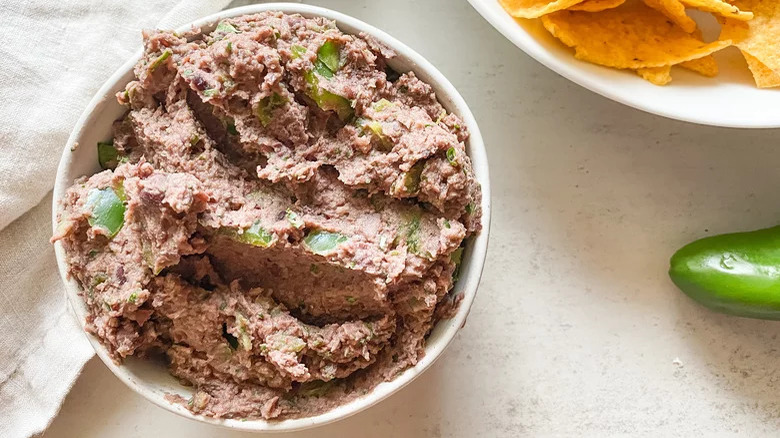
[{"x": 576, "y": 330}]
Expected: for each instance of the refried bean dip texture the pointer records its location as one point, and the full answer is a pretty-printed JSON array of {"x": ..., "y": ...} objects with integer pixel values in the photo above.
[{"x": 281, "y": 216}]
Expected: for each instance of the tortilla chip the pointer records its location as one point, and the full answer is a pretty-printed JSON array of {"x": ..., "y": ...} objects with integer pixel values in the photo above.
[
  {"x": 675, "y": 11},
  {"x": 719, "y": 7},
  {"x": 535, "y": 8},
  {"x": 656, "y": 75},
  {"x": 632, "y": 36},
  {"x": 758, "y": 39},
  {"x": 596, "y": 5},
  {"x": 705, "y": 66},
  {"x": 763, "y": 75}
]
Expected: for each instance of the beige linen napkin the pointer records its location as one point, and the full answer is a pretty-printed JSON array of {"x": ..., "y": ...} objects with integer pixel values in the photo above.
[{"x": 53, "y": 58}]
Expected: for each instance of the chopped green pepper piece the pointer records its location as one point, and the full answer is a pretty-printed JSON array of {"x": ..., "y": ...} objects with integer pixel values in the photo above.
[
  {"x": 327, "y": 63},
  {"x": 119, "y": 189},
  {"x": 321, "y": 242},
  {"x": 294, "y": 219},
  {"x": 375, "y": 128},
  {"x": 456, "y": 258},
  {"x": 107, "y": 154},
  {"x": 327, "y": 100},
  {"x": 297, "y": 51},
  {"x": 333, "y": 102},
  {"x": 231, "y": 129},
  {"x": 132, "y": 298},
  {"x": 413, "y": 177},
  {"x": 267, "y": 105},
  {"x": 160, "y": 59},
  {"x": 381, "y": 105},
  {"x": 470, "y": 208},
  {"x": 98, "y": 279},
  {"x": 328, "y": 54},
  {"x": 254, "y": 235},
  {"x": 323, "y": 70},
  {"x": 457, "y": 255},
  {"x": 225, "y": 27},
  {"x": 734, "y": 273},
  {"x": 108, "y": 211},
  {"x": 210, "y": 92},
  {"x": 351, "y": 299},
  {"x": 452, "y": 156}
]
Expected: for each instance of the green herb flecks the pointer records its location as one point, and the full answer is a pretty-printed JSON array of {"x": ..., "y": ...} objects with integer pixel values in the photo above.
[
  {"x": 209, "y": 92},
  {"x": 98, "y": 279},
  {"x": 411, "y": 232},
  {"x": 452, "y": 156},
  {"x": 159, "y": 60}
]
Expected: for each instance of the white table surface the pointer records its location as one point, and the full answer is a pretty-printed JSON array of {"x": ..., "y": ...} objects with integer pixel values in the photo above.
[{"x": 576, "y": 328}]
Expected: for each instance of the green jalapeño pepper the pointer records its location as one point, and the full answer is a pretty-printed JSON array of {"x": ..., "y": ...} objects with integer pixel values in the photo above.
[{"x": 737, "y": 273}]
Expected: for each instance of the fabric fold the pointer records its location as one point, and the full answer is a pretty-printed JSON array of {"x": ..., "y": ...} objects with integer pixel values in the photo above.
[{"x": 48, "y": 78}]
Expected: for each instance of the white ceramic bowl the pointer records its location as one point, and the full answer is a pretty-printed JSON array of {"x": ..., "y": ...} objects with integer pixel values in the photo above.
[
  {"x": 731, "y": 99},
  {"x": 151, "y": 379}
]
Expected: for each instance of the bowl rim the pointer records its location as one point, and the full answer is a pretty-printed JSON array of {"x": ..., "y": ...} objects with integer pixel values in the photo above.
[
  {"x": 475, "y": 254},
  {"x": 495, "y": 15}
]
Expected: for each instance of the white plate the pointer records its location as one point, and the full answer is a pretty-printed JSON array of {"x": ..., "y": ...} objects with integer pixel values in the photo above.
[
  {"x": 151, "y": 379},
  {"x": 731, "y": 99}
]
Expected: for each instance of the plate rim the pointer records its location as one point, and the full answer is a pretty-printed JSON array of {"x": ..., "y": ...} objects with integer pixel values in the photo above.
[{"x": 529, "y": 45}]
